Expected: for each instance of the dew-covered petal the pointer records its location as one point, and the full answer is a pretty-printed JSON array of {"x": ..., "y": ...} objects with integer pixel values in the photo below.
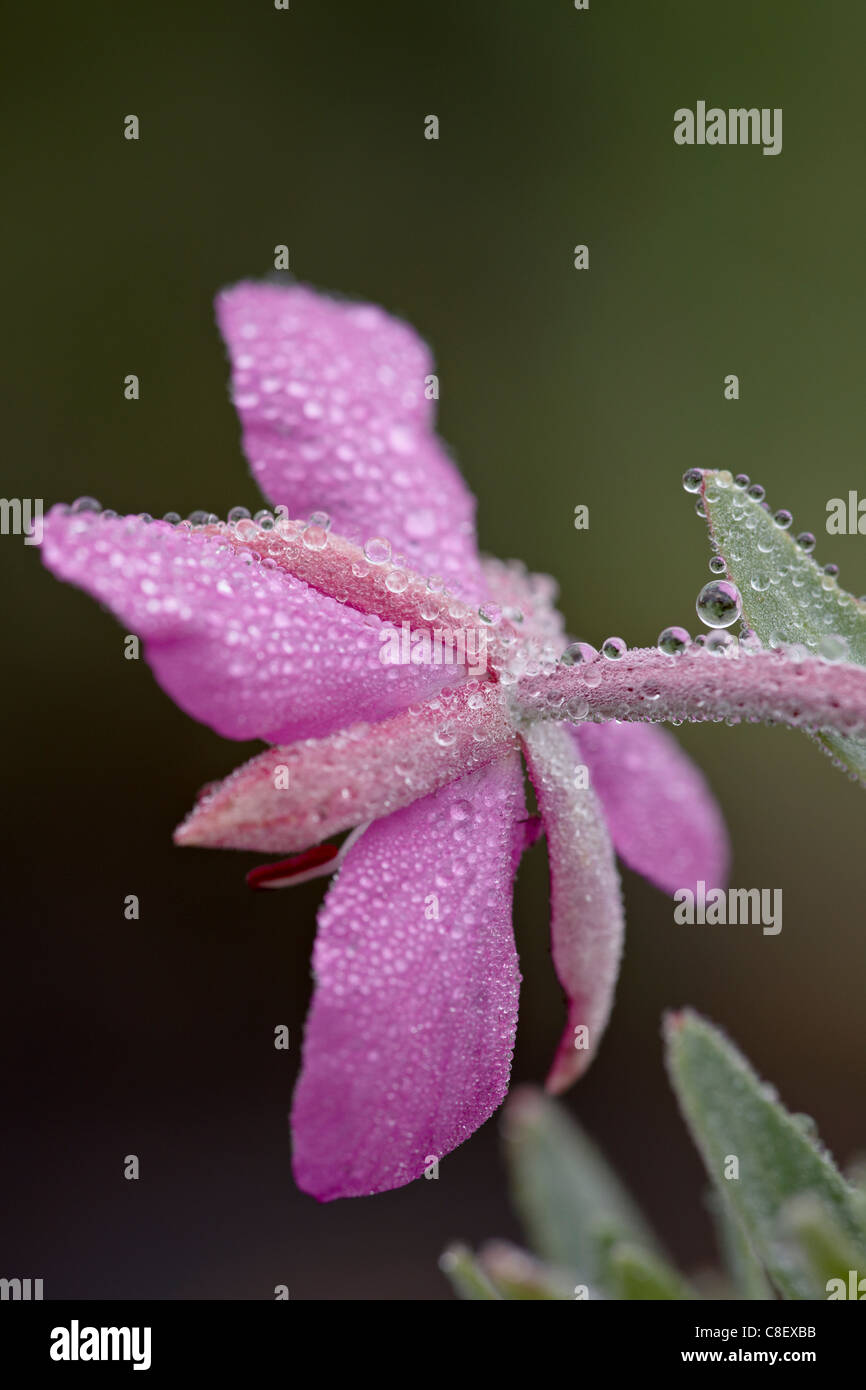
[
  {"x": 247, "y": 649},
  {"x": 288, "y": 798},
  {"x": 339, "y": 568},
  {"x": 587, "y": 920},
  {"x": 332, "y": 400},
  {"x": 409, "y": 1040},
  {"x": 663, "y": 819},
  {"x": 528, "y": 600}
]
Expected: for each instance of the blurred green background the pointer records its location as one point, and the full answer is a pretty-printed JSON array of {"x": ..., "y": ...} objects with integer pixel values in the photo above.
[{"x": 559, "y": 387}]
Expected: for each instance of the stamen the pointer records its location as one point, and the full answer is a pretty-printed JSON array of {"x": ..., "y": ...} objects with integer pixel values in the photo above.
[
  {"x": 313, "y": 863},
  {"x": 318, "y": 862}
]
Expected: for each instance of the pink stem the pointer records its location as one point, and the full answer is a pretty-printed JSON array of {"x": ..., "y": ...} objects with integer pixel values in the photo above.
[{"x": 764, "y": 687}]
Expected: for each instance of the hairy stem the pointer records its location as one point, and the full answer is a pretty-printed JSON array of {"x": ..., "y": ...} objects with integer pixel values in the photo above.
[{"x": 764, "y": 687}]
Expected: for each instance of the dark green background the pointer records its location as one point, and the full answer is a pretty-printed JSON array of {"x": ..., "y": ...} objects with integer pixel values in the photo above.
[{"x": 261, "y": 127}]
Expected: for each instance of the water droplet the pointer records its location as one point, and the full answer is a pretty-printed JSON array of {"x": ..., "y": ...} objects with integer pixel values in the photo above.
[
  {"x": 445, "y": 736},
  {"x": 613, "y": 648},
  {"x": 86, "y": 504},
  {"x": 377, "y": 550},
  {"x": 490, "y": 613},
  {"x": 397, "y": 581},
  {"x": 692, "y": 479},
  {"x": 198, "y": 517},
  {"x": 796, "y": 651},
  {"x": 833, "y": 647},
  {"x": 806, "y": 541},
  {"x": 717, "y": 564},
  {"x": 742, "y": 480},
  {"x": 173, "y": 518},
  {"x": 759, "y": 582},
  {"x": 238, "y": 514},
  {"x": 719, "y": 603},
  {"x": 673, "y": 641},
  {"x": 314, "y": 537},
  {"x": 578, "y": 654},
  {"x": 264, "y": 519},
  {"x": 720, "y": 642},
  {"x": 320, "y": 519},
  {"x": 757, "y": 492},
  {"x": 783, "y": 518},
  {"x": 832, "y": 570}
]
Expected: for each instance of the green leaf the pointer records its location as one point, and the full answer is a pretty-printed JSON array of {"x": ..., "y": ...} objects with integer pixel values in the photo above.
[
  {"x": 787, "y": 597},
  {"x": 468, "y": 1279},
  {"x": 732, "y": 1115},
  {"x": 743, "y": 1266},
  {"x": 635, "y": 1273},
  {"x": 824, "y": 1248},
  {"x": 572, "y": 1205},
  {"x": 856, "y": 1174}
]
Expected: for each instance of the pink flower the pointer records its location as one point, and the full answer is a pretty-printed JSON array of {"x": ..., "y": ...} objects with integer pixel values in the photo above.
[{"x": 276, "y": 629}]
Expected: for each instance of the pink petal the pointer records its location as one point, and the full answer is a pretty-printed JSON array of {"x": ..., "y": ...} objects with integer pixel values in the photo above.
[
  {"x": 358, "y": 775},
  {"x": 409, "y": 1039},
  {"x": 587, "y": 920},
  {"x": 660, "y": 812},
  {"x": 251, "y": 651},
  {"x": 331, "y": 397},
  {"x": 533, "y": 595}
]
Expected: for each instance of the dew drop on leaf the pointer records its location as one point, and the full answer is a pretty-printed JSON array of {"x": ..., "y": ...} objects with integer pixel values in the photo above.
[
  {"x": 673, "y": 641},
  {"x": 719, "y": 603}
]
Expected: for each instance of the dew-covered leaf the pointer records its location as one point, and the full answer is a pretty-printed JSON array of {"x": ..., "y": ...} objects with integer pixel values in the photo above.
[
  {"x": 466, "y": 1276},
  {"x": 571, "y": 1203},
  {"x": 818, "y": 1239},
  {"x": 770, "y": 1156},
  {"x": 742, "y": 1264},
  {"x": 788, "y": 598},
  {"x": 634, "y": 1273}
]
